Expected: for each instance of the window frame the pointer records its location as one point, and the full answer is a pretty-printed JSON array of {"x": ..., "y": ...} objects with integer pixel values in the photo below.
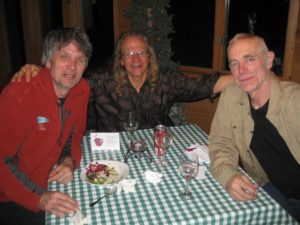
[{"x": 220, "y": 40}]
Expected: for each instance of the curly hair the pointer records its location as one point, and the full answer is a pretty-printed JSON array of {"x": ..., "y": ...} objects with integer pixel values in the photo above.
[{"x": 118, "y": 70}]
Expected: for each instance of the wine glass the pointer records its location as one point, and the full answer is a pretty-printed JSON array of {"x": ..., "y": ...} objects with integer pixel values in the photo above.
[
  {"x": 131, "y": 122},
  {"x": 163, "y": 140},
  {"x": 189, "y": 167}
]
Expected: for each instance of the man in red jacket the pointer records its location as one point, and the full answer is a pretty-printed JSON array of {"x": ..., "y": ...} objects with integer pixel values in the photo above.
[{"x": 42, "y": 124}]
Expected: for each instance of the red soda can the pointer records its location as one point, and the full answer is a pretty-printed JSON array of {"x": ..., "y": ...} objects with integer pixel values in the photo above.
[{"x": 159, "y": 133}]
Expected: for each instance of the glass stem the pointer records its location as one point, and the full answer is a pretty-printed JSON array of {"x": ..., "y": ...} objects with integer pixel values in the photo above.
[
  {"x": 131, "y": 135},
  {"x": 163, "y": 158},
  {"x": 187, "y": 190}
]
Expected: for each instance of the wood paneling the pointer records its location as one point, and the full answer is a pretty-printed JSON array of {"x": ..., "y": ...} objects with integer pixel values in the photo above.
[
  {"x": 121, "y": 23},
  {"x": 200, "y": 113},
  {"x": 290, "y": 46},
  {"x": 72, "y": 13},
  {"x": 220, "y": 31},
  {"x": 32, "y": 25},
  {"x": 295, "y": 73}
]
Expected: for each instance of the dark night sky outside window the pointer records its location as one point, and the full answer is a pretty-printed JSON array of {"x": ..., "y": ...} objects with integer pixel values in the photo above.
[
  {"x": 100, "y": 29},
  {"x": 266, "y": 18},
  {"x": 193, "y": 23}
]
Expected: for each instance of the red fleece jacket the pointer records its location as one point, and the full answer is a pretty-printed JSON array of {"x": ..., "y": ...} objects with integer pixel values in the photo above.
[{"x": 29, "y": 118}]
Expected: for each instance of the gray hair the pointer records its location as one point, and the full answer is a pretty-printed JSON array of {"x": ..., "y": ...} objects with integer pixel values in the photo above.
[
  {"x": 57, "y": 39},
  {"x": 259, "y": 40}
]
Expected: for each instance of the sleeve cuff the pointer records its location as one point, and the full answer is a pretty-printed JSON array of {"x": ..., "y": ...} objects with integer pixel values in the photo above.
[{"x": 214, "y": 78}]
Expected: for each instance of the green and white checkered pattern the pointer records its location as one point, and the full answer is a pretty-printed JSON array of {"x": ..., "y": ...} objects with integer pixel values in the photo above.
[{"x": 162, "y": 203}]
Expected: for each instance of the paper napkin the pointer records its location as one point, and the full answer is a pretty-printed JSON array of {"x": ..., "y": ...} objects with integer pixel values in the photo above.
[
  {"x": 127, "y": 185},
  {"x": 105, "y": 141},
  {"x": 79, "y": 219},
  {"x": 153, "y": 177},
  {"x": 201, "y": 173},
  {"x": 201, "y": 151}
]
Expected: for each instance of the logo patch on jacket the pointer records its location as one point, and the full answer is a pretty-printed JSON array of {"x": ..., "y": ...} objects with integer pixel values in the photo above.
[{"x": 40, "y": 120}]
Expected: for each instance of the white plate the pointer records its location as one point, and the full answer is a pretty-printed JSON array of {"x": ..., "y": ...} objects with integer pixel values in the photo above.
[{"x": 121, "y": 168}]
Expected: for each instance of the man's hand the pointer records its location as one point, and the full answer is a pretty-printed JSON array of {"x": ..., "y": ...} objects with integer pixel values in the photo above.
[
  {"x": 58, "y": 203},
  {"x": 241, "y": 188},
  {"x": 28, "y": 71},
  {"x": 62, "y": 173}
]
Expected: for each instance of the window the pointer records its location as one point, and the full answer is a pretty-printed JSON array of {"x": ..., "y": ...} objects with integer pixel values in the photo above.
[
  {"x": 14, "y": 32},
  {"x": 193, "y": 24},
  {"x": 98, "y": 22},
  {"x": 203, "y": 29},
  {"x": 265, "y": 18}
]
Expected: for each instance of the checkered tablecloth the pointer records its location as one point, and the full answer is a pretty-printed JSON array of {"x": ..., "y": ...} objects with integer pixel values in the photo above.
[{"x": 162, "y": 203}]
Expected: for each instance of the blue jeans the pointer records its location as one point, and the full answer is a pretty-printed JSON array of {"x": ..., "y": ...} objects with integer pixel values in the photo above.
[{"x": 291, "y": 205}]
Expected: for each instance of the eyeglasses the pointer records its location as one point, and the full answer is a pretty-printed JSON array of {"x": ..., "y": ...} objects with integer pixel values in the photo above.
[{"x": 130, "y": 54}]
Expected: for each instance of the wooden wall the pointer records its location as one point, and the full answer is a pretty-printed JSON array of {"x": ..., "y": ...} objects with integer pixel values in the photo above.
[
  {"x": 296, "y": 60},
  {"x": 200, "y": 113},
  {"x": 121, "y": 23}
]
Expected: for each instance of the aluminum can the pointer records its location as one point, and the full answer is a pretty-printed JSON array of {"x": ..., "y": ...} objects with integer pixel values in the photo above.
[{"x": 159, "y": 133}]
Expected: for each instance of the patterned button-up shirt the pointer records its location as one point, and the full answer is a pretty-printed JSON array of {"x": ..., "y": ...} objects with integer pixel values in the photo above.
[{"x": 153, "y": 106}]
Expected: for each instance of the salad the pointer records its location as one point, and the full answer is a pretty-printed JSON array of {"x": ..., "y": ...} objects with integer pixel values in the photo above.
[{"x": 98, "y": 173}]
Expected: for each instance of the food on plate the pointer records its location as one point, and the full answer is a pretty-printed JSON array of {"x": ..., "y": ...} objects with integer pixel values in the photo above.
[{"x": 98, "y": 173}]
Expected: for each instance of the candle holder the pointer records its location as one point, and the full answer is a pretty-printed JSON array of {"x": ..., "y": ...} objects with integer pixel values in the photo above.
[{"x": 137, "y": 148}]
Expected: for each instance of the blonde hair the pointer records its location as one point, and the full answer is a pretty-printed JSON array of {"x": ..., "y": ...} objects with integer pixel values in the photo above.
[{"x": 119, "y": 72}]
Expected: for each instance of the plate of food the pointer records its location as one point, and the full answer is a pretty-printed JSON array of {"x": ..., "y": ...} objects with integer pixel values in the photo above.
[{"x": 104, "y": 172}]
